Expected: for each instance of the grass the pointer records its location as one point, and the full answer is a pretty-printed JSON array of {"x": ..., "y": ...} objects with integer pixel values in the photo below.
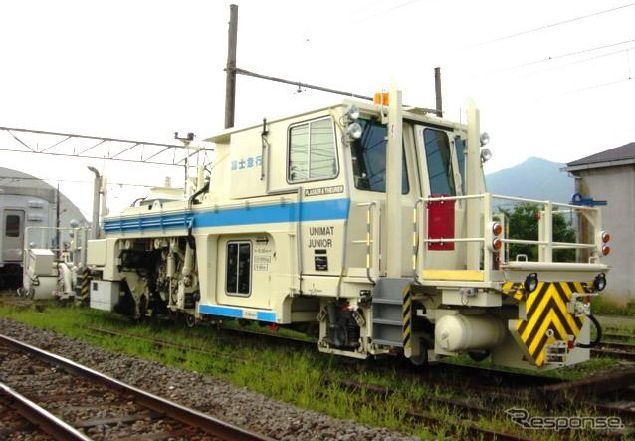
[
  {"x": 601, "y": 305},
  {"x": 290, "y": 374}
]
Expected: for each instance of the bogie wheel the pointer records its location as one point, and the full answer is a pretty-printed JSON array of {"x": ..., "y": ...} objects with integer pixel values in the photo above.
[
  {"x": 479, "y": 355},
  {"x": 420, "y": 361},
  {"x": 190, "y": 320}
]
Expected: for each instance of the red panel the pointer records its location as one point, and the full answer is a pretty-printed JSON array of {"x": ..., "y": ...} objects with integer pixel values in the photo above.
[{"x": 441, "y": 224}]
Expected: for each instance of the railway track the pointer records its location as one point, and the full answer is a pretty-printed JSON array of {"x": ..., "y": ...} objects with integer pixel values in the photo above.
[
  {"x": 78, "y": 403},
  {"x": 467, "y": 411},
  {"x": 490, "y": 391},
  {"x": 616, "y": 350},
  {"x": 480, "y": 378},
  {"x": 465, "y": 421},
  {"x": 464, "y": 413},
  {"x": 492, "y": 387},
  {"x": 22, "y": 417}
]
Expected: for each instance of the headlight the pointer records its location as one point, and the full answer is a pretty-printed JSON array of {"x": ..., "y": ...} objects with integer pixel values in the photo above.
[
  {"x": 486, "y": 155},
  {"x": 354, "y": 130},
  {"x": 599, "y": 283},
  {"x": 531, "y": 283},
  {"x": 484, "y": 139},
  {"x": 352, "y": 112}
]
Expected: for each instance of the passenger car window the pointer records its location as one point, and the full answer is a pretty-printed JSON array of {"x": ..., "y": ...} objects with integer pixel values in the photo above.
[
  {"x": 312, "y": 153},
  {"x": 369, "y": 158},
  {"x": 12, "y": 226}
]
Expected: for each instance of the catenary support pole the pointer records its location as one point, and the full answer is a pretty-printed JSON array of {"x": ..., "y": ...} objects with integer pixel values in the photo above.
[
  {"x": 230, "y": 83},
  {"x": 58, "y": 244},
  {"x": 96, "y": 197}
]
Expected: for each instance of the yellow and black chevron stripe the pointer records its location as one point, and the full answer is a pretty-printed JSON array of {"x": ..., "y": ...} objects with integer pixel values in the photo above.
[
  {"x": 515, "y": 290},
  {"x": 406, "y": 318},
  {"x": 84, "y": 284},
  {"x": 548, "y": 319}
]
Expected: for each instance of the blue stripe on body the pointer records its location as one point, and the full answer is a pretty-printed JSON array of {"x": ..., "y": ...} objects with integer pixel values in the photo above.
[
  {"x": 330, "y": 209},
  {"x": 225, "y": 311},
  {"x": 266, "y": 316},
  {"x": 220, "y": 310}
]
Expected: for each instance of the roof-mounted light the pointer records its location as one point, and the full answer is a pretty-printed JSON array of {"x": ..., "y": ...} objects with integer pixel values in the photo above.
[
  {"x": 486, "y": 155},
  {"x": 484, "y": 139},
  {"x": 354, "y": 130},
  {"x": 381, "y": 98},
  {"x": 352, "y": 112}
]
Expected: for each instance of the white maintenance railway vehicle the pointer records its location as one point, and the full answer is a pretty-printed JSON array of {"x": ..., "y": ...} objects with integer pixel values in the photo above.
[{"x": 371, "y": 220}]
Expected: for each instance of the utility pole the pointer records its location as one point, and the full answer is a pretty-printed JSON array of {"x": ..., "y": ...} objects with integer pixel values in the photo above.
[
  {"x": 230, "y": 82},
  {"x": 96, "y": 198},
  {"x": 437, "y": 91},
  {"x": 58, "y": 245}
]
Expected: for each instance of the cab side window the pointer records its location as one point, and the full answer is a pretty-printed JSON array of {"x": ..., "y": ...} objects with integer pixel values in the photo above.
[{"x": 312, "y": 153}]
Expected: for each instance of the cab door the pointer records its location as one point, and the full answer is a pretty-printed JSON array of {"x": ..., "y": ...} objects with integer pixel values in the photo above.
[
  {"x": 12, "y": 235},
  {"x": 441, "y": 177}
]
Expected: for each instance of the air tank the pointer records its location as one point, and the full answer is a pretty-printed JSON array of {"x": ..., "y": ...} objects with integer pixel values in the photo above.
[{"x": 459, "y": 332}]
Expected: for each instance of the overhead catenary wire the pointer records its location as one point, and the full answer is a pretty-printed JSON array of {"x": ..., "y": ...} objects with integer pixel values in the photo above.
[
  {"x": 69, "y": 181},
  {"x": 569, "y": 54},
  {"x": 577, "y": 62},
  {"x": 104, "y": 142},
  {"x": 552, "y": 25},
  {"x": 596, "y": 86}
]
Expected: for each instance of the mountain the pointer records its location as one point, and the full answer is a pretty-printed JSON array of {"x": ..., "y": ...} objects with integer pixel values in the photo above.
[{"x": 536, "y": 178}]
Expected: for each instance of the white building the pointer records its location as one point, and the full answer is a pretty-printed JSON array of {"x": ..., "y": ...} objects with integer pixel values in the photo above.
[{"x": 610, "y": 176}]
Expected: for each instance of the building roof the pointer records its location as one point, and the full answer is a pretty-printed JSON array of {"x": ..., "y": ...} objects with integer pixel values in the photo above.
[{"x": 623, "y": 155}]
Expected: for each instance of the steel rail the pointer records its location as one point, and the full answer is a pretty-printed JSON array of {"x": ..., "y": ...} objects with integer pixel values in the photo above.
[
  {"x": 617, "y": 350},
  {"x": 180, "y": 413},
  {"x": 40, "y": 417}
]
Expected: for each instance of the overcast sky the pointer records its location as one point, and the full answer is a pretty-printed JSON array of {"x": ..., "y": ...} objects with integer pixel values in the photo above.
[{"x": 552, "y": 78}]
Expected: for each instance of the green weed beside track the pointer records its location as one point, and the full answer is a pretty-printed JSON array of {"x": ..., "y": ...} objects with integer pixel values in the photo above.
[{"x": 289, "y": 373}]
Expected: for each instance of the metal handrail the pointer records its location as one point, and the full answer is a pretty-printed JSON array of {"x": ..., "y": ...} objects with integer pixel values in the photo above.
[
  {"x": 559, "y": 245},
  {"x": 544, "y": 243},
  {"x": 543, "y": 202},
  {"x": 370, "y": 239}
]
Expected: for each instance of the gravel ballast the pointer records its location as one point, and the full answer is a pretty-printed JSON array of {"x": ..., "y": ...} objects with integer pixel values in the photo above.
[{"x": 216, "y": 397}]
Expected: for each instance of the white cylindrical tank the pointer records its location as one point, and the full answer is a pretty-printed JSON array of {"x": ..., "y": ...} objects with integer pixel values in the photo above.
[
  {"x": 66, "y": 277},
  {"x": 458, "y": 332}
]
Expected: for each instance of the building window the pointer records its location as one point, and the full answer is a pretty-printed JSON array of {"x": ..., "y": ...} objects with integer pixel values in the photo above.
[
  {"x": 238, "y": 280},
  {"x": 369, "y": 158},
  {"x": 439, "y": 160},
  {"x": 312, "y": 151},
  {"x": 12, "y": 226}
]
